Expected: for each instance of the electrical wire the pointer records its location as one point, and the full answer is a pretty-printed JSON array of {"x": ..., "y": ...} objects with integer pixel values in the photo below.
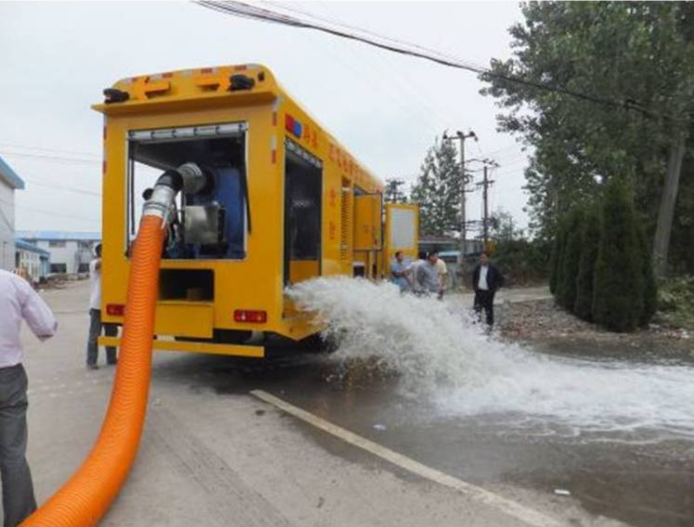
[
  {"x": 63, "y": 188},
  {"x": 49, "y": 212},
  {"x": 61, "y": 159},
  {"x": 243, "y": 10},
  {"x": 50, "y": 150}
]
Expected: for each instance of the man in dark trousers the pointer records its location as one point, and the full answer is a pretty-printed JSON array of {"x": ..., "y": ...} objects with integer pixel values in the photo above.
[
  {"x": 486, "y": 279},
  {"x": 18, "y": 301}
]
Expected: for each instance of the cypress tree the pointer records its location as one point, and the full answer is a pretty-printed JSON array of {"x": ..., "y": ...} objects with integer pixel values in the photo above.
[
  {"x": 570, "y": 260},
  {"x": 590, "y": 237},
  {"x": 618, "y": 281},
  {"x": 556, "y": 260},
  {"x": 650, "y": 286}
]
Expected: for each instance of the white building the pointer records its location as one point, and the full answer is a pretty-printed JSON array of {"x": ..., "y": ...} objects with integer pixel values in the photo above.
[
  {"x": 70, "y": 252},
  {"x": 9, "y": 182},
  {"x": 35, "y": 260}
]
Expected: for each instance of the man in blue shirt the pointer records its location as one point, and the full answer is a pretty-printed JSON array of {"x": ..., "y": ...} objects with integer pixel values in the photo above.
[{"x": 399, "y": 271}]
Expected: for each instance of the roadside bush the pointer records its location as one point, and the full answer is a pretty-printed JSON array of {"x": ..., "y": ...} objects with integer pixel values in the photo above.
[
  {"x": 676, "y": 302},
  {"x": 522, "y": 261},
  {"x": 590, "y": 239},
  {"x": 618, "y": 285}
]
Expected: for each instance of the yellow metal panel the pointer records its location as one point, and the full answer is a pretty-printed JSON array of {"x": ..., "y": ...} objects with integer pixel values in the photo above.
[
  {"x": 196, "y": 347},
  {"x": 367, "y": 222},
  {"x": 300, "y": 270},
  {"x": 184, "y": 319}
]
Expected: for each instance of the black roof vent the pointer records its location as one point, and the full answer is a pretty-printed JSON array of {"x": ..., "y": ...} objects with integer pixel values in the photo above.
[{"x": 240, "y": 82}]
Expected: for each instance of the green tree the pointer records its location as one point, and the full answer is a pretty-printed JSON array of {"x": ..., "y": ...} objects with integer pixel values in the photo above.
[
  {"x": 571, "y": 258},
  {"x": 521, "y": 260},
  {"x": 503, "y": 227},
  {"x": 557, "y": 258},
  {"x": 590, "y": 238},
  {"x": 638, "y": 56},
  {"x": 437, "y": 190},
  {"x": 618, "y": 283},
  {"x": 394, "y": 192},
  {"x": 650, "y": 286}
]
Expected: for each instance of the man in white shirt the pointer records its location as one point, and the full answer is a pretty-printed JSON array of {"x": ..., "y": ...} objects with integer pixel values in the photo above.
[
  {"x": 18, "y": 301},
  {"x": 486, "y": 280},
  {"x": 95, "y": 325}
]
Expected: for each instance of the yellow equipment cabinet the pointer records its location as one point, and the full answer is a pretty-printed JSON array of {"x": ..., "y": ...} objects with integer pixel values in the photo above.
[{"x": 287, "y": 203}]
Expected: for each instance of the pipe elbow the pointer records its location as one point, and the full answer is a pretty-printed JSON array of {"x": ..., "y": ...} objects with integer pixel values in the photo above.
[{"x": 189, "y": 178}]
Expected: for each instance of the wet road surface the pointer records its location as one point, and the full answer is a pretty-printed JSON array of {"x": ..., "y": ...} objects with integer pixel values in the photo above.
[
  {"x": 643, "y": 481},
  {"x": 210, "y": 450}
]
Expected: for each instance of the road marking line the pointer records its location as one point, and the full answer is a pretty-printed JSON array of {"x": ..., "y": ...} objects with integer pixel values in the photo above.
[{"x": 529, "y": 516}]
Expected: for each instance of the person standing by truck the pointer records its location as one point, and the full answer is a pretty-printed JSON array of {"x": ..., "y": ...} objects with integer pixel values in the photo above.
[
  {"x": 399, "y": 272},
  {"x": 486, "y": 280},
  {"x": 95, "y": 324},
  {"x": 442, "y": 270},
  {"x": 18, "y": 301},
  {"x": 426, "y": 276}
]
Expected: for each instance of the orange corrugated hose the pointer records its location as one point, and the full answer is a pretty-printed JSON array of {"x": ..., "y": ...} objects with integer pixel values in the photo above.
[{"x": 87, "y": 495}]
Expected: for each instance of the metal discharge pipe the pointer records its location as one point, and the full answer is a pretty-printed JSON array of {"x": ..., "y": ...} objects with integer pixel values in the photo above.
[{"x": 84, "y": 499}]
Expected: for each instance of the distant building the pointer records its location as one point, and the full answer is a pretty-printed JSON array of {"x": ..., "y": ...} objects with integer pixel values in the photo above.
[
  {"x": 429, "y": 242},
  {"x": 449, "y": 251},
  {"x": 9, "y": 182},
  {"x": 70, "y": 252},
  {"x": 34, "y": 259}
]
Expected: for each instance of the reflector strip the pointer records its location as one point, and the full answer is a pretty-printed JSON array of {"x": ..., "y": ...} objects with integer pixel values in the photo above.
[
  {"x": 115, "y": 310},
  {"x": 251, "y": 316}
]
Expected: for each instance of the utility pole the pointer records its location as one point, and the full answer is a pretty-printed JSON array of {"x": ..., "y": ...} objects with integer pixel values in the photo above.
[
  {"x": 485, "y": 184},
  {"x": 460, "y": 136}
]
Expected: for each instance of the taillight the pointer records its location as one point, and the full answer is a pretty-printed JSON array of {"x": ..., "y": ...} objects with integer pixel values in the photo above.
[
  {"x": 115, "y": 310},
  {"x": 247, "y": 315}
]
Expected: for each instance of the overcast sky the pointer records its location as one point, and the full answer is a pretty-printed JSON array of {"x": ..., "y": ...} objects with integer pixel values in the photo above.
[{"x": 56, "y": 58}]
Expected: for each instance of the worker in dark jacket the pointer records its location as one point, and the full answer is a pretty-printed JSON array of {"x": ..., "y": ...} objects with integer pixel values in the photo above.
[{"x": 486, "y": 280}]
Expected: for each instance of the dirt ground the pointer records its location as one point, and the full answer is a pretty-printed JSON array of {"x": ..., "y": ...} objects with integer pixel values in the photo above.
[{"x": 542, "y": 321}]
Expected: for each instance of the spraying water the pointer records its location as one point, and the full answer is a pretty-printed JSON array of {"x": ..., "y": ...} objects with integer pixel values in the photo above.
[{"x": 442, "y": 356}]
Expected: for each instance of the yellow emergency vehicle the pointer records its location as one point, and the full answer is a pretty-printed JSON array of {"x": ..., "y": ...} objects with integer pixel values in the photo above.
[{"x": 286, "y": 202}]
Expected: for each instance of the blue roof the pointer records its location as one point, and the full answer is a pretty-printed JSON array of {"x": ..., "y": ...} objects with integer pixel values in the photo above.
[
  {"x": 26, "y": 246},
  {"x": 10, "y": 176},
  {"x": 59, "y": 235}
]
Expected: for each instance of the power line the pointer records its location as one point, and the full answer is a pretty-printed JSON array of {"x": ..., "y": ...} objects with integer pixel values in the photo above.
[
  {"x": 49, "y": 212},
  {"x": 61, "y": 159},
  {"x": 50, "y": 150},
  {"x": 244, "y": 10},
  {"x": 62, "y": 187}
]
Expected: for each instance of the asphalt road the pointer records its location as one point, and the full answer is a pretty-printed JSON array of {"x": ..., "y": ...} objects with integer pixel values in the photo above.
[{"x": 215, "y": 454}]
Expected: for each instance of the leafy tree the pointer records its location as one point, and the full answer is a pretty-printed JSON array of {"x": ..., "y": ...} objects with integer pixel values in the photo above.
[
  {"x": 437, "y": 190},
  {"x": 521, "y": 260},
  {"x": 393, "y": 191},
  {"x": 618, "y": 283},
  {"x": 637, "y": 56},
  {"x": 650, "y": 286},
  {"x": 503, "y": 227},
  {"x": 557, "y": 258},
  {"x": 572, "y": 254},
  {"x": 590, "y": 238}
]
